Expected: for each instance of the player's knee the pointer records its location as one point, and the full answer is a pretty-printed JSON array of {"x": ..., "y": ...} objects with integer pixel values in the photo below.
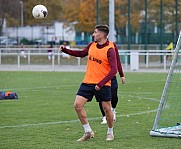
[
  {"x": 77, "y": 106},
  {"x": 107, "y": 110}
]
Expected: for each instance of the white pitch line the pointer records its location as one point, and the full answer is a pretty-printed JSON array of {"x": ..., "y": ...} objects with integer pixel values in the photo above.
[
  {"x": 42, "y": 87},
  {"x": 72, "y": 121}
]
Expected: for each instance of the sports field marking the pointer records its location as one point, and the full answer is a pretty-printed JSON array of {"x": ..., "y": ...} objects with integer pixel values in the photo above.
[
  {"x": 68, "y": 85},
  {"x": 74, "y": 121},
  {"x": 44, "y": 87},
  {"x": 147, "y": 98},
  {"x": 77, "y": 120}
]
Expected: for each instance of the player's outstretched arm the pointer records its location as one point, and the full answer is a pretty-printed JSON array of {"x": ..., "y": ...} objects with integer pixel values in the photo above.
[{"x": 76, "y": 53}]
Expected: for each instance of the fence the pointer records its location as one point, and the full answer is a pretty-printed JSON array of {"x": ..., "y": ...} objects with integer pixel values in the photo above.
[{"x": 131, "y": 59}]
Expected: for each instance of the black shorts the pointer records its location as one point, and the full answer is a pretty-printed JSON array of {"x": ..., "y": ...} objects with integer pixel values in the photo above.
[{"x": 88, "y": 91}]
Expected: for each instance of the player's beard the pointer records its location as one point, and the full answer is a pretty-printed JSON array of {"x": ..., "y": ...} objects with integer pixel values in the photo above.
[{"x": 96, "y": 39}]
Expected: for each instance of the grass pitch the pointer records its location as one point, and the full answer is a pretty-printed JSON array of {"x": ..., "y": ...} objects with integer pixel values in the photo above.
[{"x": 44, "y": 117}]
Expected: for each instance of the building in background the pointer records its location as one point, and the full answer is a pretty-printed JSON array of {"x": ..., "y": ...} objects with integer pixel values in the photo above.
[{"x": 56, "y": 33}]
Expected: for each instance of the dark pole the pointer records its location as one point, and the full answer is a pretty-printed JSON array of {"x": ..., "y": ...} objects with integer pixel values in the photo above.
[
  {"x": 17, "y": 39},
  {"x": 146, "y": 38},
  {"x": 176, "y": 19},
  {"x": 146, "y": 34},
  {"x": 32, "y": 32},
  {"x": 161, "y": 27},
  {"x": 129, "y": 26},
  {"x": 22, "y": 11},
  {"x": 47, "y": 34},
  {"x": 97, "y": 11}
]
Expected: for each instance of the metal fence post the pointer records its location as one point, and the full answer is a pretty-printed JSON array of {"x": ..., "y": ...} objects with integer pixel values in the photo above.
[
  {"x": 18, "y": 60},
  {"x": 147, "y": 59},
  {"x": 28, "y": 57},
  {"x": 58, "y": 57},
  {"x": 78, "y": 61},
  {"x": 0, "y": 56},
  {"x": 165, "y": 61},
  {"x": 53, "y": 61}
]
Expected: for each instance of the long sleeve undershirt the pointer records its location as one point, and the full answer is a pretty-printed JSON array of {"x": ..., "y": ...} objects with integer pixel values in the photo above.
[{"x": 113, "y": 58}]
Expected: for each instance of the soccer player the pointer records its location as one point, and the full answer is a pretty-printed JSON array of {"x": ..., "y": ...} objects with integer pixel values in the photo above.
[
  {"x": 101, "y": 68},
  {"x": 114, "y": 89}
]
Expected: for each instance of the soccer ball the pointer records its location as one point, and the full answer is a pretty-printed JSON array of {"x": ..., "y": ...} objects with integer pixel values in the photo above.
[{"x": 39, "y": 12}]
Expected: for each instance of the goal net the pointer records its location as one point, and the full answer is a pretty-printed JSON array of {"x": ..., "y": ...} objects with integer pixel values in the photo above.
[{"x": 168, "y": 118}]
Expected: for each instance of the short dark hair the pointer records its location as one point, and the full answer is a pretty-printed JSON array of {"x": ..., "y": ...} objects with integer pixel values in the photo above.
[{"x": 103, "y": 28}]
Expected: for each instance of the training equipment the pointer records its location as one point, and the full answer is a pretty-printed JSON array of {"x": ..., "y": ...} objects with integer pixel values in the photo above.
[
  {"x": 168, "y": 119},
  {"x": 39, "y": 12},
  {"x": 8, "y": 95}
]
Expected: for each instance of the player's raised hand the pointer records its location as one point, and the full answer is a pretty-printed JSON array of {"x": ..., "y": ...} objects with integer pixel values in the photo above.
[{"x": 61, "y": 47}]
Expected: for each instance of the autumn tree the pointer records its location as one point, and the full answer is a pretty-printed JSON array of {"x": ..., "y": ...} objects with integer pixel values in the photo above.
[
  {"x": 168, "y": 10},
  {"x": 82, "y": 13},
  {"x": 54, "y": 11},
  {"x": 9, "y": 11}
]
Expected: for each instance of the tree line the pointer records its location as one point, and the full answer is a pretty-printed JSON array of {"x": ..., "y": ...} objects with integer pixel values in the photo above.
[{"x": 83, "y": 13}]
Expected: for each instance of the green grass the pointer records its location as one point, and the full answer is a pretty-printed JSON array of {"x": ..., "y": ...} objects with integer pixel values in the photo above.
[
  {"x": 43, "y": 60},
  {"x": 44, "y": 117}
]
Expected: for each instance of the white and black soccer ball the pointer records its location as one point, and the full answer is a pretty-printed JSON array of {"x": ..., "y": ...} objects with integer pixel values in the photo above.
[{"x": 39, "y": 12}]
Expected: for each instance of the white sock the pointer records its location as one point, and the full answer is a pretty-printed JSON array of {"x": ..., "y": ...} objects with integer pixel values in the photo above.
[
  {"x": 110, "y": 130},
  {"x": 113, "y": 109},
  {"x": 87, "y": 128}
]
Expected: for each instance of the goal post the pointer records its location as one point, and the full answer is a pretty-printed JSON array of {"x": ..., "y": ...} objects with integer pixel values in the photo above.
[{"x": 168, "y": 118}]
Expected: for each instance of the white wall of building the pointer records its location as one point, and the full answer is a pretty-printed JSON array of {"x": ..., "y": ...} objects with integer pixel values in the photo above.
[
  {"x": 58, "y": 31},
  {"x": 29, "y": 32}
]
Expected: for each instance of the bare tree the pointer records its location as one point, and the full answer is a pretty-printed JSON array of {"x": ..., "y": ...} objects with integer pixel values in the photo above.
[
  {"x": 9, "y": 10},
  {"x": 3, "y": 9}
]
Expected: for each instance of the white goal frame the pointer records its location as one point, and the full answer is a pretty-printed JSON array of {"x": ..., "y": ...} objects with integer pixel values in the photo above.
[{"x": 172, "y": 131}]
